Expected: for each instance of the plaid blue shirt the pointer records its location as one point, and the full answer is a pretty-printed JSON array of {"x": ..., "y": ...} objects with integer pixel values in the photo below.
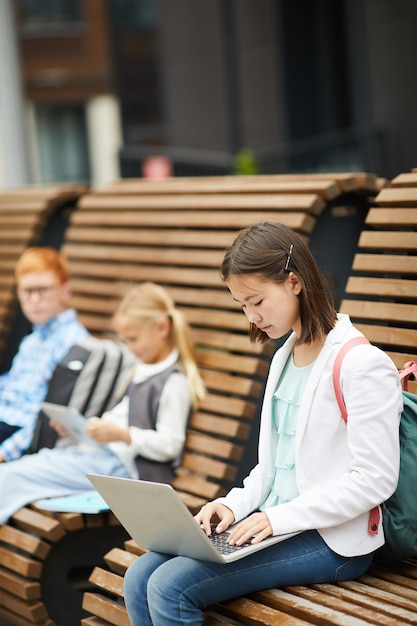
[{"x": 24, "y": 387}]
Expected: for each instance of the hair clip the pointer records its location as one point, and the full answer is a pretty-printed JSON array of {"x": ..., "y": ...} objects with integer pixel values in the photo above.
[{"x": 287, "y": 262}]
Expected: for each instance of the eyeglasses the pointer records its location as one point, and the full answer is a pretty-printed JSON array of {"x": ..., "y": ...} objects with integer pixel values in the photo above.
[{"x": 42, "y": 292}]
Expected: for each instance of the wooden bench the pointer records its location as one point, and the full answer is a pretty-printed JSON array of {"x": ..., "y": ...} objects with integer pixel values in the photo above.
[
  {"x": 381, "y": 297},
  {"x": 381, "y": 293},
  {"x": 24, "y": 215},
  {"x": 174, "y": 234}
]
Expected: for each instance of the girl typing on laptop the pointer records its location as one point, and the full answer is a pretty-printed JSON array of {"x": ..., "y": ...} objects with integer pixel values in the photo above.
[
  {"x": 316, "y": 476},
  {"x": 144, "y": 433}
]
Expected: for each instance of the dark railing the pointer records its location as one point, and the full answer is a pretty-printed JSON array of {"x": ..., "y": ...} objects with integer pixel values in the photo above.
[{"x": 354, "y": 149}]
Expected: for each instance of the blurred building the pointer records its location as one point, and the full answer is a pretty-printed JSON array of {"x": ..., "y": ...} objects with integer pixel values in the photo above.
[{"x": 305, "y": 85}]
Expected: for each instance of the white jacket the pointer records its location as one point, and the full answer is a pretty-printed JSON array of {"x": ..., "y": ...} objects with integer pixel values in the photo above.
[{"x": 342, "y": 471}]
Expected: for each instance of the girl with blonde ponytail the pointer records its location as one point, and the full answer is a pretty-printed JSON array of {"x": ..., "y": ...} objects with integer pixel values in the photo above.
[{"x": 144, "y": 433}]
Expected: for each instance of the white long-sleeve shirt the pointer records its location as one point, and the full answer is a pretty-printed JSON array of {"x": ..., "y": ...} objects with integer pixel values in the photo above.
[{"x": 167, "y": 440}]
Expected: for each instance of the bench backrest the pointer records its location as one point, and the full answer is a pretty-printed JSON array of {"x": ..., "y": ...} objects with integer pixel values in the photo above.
[
  {"x": 382, "y": 291},
  {"x": 174, "y": 232}
]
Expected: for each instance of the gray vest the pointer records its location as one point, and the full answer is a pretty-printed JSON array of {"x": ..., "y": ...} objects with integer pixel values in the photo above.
[{"x": 143, "y": 409}]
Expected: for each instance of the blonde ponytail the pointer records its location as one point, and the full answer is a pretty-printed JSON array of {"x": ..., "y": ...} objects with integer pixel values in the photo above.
[
  {"x": 187, "y": 355},
  {"x": 147, "y": 303}
]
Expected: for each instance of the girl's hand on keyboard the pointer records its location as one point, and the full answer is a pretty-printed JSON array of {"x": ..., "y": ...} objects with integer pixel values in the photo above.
[
  {"x": 214, "y": 512},
  {"x": 254, "y": 528}
]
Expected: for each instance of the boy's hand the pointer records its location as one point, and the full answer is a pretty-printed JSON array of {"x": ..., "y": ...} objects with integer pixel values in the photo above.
[
  {"x": 104, "y": 432},
  {"x": 62, "y": 432}
]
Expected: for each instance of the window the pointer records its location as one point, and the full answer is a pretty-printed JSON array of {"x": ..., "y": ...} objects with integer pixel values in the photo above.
[{"x": 62, "y": 144}]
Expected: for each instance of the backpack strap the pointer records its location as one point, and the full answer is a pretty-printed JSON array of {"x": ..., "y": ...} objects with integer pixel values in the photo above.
[
  {"x": 409, "y": 369},
  {"x": 336, "y": 372},
  {"x": 375, "y": 514}
]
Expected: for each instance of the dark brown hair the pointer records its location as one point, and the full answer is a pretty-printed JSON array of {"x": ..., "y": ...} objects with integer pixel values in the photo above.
[{"x": 272, "y": 250}]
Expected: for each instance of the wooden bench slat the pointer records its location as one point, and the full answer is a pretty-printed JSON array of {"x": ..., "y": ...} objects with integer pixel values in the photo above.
[
  {"x": 214, "y": 446},
  {"x": 219, "y": 425},
  {"x": 402, "y": 595},
  {"x": 227, "y": 341},
  {"x": 397, "y": 196},
  {"x": 93, "y": 295},
  {"x": 119, "y": 560},
  {"x": 372, "y": 586},
  {"x": 17, "y": 620},
  {"x": 132, "y": 547},
  {"x": 325, "y": 187},
  {"x": 94, "y": 621},
  {"x": 407, "y": 179},
  {"x": 23, "y": 221},
  {"x": 20, "y": 235},
  {"x": 228, "y": 406},
  {"x": 21, "y": 614},
  {"x": 24, "y": 542},
  {"x": 400, "y": 358},
  {"x": 108, "y": 581},
  {"x": 207, "y": 466},
  {"x": 40, "y": 192},
  {"x": 20, "y": 564},
  {"x": 382, "y": 287},
  {"x": 382, "y": 311},
  {"x": 395, "y": 575},
  {"x": 392, "y": 218},
  {"x": 19, "y": 586},
  {"x": 231, "y": 384},
  {"x": 158, "y": 256},
  {"x": 388, "y": 336},
  {"x": 107, "y": 609},
  {"x": 347, "y": 181},
  {"x": 160, "y": 237},
  {"x": 198, "y": 489},
  {"x": 308, "y": 202},
  {"x": 48, "y": 528},
  {"x": 388, "y": 240},
  {"x": 249, "y": 612},
  {"x": 385, "y": 263},
  {"x": 218, "y": 319},
  {"x": 298, "y": 220},
  {"x": 208, "y": 358},
  {"x": 184, "y": 276},
  {"x": 231, "y": 320}
]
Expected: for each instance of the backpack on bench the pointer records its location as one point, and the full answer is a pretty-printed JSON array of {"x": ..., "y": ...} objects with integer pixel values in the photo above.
[
  {"x": 89, "y": 378},
  {"x": 399, "y": 512}
]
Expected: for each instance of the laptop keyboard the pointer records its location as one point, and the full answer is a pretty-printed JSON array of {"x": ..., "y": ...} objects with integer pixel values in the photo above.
[{"x": 220, "y": 542}]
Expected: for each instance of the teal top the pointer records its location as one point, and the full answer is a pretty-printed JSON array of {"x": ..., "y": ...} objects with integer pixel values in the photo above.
[{"x": 285, "y": 405}]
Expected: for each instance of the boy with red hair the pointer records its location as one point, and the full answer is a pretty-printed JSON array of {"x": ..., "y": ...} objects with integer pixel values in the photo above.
[{"x": 44, "y": 291}]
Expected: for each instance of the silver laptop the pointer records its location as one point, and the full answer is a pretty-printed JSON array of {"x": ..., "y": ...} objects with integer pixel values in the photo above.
[
  {"x": 71, "y": 419},
  {"x": 157, "y": 519}
]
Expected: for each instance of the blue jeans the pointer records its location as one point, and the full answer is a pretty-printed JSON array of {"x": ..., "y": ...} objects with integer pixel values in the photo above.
[{"x": 161, "y": 590}]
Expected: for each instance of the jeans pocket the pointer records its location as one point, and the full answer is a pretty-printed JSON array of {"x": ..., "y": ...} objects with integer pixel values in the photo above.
[{"x": 352, "y": 567}]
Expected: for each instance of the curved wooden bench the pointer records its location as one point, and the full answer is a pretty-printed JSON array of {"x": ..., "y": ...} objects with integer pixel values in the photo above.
[
  {"x": 173, "y": 232},
  {"x": 44, "y": 557},
  {"x": 384, "y": 596}
]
